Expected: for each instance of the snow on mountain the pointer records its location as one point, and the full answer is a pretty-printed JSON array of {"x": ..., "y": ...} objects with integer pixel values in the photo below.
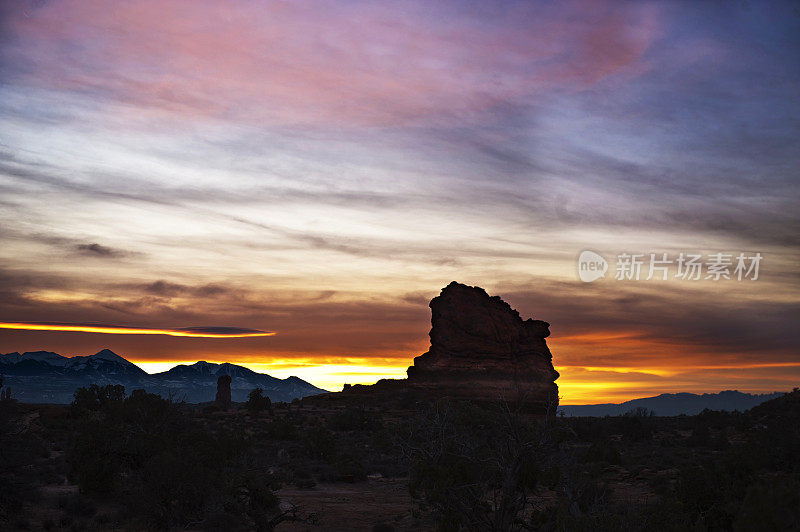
[
  {"x": 108, "y": 354},
  {"x": 43, "y": 376},
  {"x": 48, "y": 357},
  {"x": 105, "y": 362}
]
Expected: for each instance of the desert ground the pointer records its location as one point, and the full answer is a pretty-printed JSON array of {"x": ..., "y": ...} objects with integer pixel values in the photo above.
[{"x": 109, "y": 462}]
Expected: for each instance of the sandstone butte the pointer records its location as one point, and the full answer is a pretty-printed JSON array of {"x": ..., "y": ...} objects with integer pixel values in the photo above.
[{"x": 481, "y": 350}]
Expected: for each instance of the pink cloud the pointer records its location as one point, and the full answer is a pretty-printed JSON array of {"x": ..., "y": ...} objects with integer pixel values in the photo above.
[{"x": 323, "y": 62}]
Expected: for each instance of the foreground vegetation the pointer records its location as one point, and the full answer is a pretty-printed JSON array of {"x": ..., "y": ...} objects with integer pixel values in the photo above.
[{"x": 136, "y": 461}]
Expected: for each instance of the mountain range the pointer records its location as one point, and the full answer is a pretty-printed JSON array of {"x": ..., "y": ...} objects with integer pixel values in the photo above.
[
  {"x": 47, "y": 377},
  {"x": 674, "y": 404}
]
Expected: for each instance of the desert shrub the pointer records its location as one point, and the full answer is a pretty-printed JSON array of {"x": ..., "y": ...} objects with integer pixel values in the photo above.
[
  {"x": 350, "y": 468},
  {"x": 95, "y": 397},
  {"x": 319, "y": 443},
  {"x": 637, "y": 425},
  {"x": 354, "y": 417},
  {"x": 260, "y": 503},
  {"x": 463, "y": 457},
  {"x": 77, "y": 506},
  {"x": 388, "y": 465},
  {"x": 772, "y": 503},
  {"x": 20, "y": 449},
  {"x": 661, "y": 485},
  {"x": 305, "y": 483},
  {"x": 733, "y": 484},
  {"x": 168, "y": 470},
  {"x": 550, "y": 476},
  {"x": 700, "y": 437},
  {"x": 302, "y": 477},
  {"x": 603, "y": 451},
  {"x": 258, "y": 402},
  {"x": 712, "y": 492},
  {"x": 22, "y": 523},
  {"x": 586, "y": 428},
  {"x": 631, "y": 517},
  {"x": 639, "y": 411},
  {"x": 697, "y": 490},
  {"x": 5, "y": 394},
  {"x": 283, "y": 428},
  {"x": 13, "y": 494}
]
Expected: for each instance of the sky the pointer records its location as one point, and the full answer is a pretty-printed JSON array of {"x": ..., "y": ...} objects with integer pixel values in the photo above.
[{"x": 291, "y": 182}]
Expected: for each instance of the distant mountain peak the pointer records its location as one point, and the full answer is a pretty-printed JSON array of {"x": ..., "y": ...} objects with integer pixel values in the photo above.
[
  {"x": 673, "y": 404},
  {"x": 111, "y": 356},
  {"x": 46, "y": 357},
  {"x": 43, "y": 376},
  {"x": 108, "y": 354},
  {"x": 203, "y": 365}
]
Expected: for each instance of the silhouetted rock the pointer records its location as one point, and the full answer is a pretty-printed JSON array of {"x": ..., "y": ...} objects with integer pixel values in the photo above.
[
  {"x": 223, "y": 399},
  {"x": 482, "y": 349}
]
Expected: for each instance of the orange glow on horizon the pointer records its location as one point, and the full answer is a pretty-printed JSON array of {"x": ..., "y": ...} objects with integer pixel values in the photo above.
[
  {"x": 114, "y": 329},
  {"x": 328, "y": 373},
  {"x": 577, "y": 384},
  {"x": 615, "y": 371}
]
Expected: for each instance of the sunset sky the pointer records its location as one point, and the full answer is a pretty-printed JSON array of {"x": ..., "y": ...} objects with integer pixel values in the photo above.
[{"x": 320, "y": 170}]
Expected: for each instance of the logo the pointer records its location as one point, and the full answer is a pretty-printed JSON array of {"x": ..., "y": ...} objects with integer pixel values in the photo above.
[
  {"x": 591, "y": 266},
  {"x": 686, "y": 266}
]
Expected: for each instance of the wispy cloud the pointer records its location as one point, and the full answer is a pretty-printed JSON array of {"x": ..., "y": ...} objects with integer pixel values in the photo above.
[
  {"x": 306, "y": 62},
  {"x": 107, "y": 328},
  {"x": 96, "y": 249}
]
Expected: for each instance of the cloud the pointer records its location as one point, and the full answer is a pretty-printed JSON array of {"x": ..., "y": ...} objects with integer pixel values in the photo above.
[
  {"x": 325, "y": 167},
  {"x": 95, "y": 249},
  {"x": 168, "y": 289},
  {"x": 312, "y": 62},
  {"x": 612, "y": 323},
  {"x": 107, "y": 328},
  {"x": 221, "y": 332}
]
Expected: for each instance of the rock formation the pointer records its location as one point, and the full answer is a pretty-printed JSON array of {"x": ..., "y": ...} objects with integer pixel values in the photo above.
[
  {"x": 482, "y": 349},
  {"x": 223, "y": 399}
]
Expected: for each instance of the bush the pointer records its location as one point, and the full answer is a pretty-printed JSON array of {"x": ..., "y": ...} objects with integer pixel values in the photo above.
[
  {"x": 354, "y": 418},
  {"x": 771, "y": 504},
  {"x": 77, "y": 506},
  {"x": 19, "y": 451},
  {"x": 258, "y": 402},
  {"x": 463, "y": 456},
  {"x": 637, "y": 425},
  {"x": 166, "y": 469},
  {"x": 282, "y": 428},
  {"x": 95, "y": 397},
  {"x": 319, "y": 443},
  {"x": 603, "y": 451}
]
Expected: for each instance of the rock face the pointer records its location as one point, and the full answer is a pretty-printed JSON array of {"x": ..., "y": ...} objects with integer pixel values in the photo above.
[
  {"x": 223, "y": 399},
  {"x": 482, "y": 349}
]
